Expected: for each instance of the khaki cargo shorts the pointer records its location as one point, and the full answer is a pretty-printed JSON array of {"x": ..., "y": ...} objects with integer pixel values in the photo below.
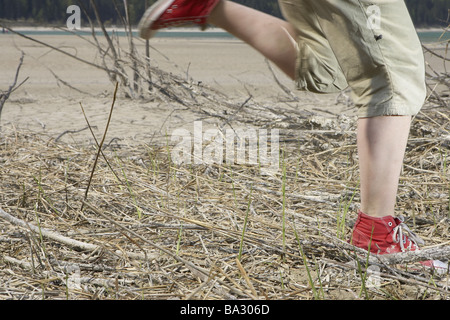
[{"x": 370, "y": 46}]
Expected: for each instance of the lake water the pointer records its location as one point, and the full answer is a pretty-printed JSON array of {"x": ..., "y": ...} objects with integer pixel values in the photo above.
[{"x": 425, "y": 37}]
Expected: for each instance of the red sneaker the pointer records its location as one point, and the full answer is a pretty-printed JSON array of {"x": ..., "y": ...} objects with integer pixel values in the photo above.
[
  {"x": 386, "y": 236},
  {"x": 173, "y": 13}
]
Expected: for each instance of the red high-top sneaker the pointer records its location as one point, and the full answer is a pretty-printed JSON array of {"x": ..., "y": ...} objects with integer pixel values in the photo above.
[
  {"x": 173, "y": 13},
  {"x": 386, "y": 236}
]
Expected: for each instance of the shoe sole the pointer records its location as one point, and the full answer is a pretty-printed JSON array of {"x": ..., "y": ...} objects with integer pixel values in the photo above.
[{"x": 150, "y": 16}]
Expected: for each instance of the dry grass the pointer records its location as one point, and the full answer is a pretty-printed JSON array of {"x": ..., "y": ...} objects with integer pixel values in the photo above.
[{"x": 161, "y": 231}]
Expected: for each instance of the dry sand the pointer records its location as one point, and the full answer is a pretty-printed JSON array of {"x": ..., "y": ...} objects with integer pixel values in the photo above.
[{"x": 45, "y": 105}]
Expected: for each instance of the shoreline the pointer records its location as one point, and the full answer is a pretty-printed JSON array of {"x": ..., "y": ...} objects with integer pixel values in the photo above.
[
  {"x": 169, "y": 30},
  {"x": 433, "y": 38},
  {"x": 111, "y": 29}
]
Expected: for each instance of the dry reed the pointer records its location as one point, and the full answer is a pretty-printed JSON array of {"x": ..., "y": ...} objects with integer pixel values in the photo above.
[{"x": 154, "y": 230}]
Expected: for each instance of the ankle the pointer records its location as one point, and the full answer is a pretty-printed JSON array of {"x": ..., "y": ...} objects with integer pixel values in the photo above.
[{"x": 377, "y": 212}]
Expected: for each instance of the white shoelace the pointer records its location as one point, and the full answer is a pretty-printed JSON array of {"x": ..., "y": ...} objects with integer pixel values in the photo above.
[{"x": 399, "y": 237}]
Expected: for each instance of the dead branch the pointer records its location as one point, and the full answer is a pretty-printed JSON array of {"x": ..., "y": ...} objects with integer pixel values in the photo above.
[
  {"x": 438, "y": 253},
  {"x": 14, "y": 86},
  {"x": 69, "y": 132},
  {"x": 282, "y": 86},
  {"x": 111, "y": 46},
  {"x": 100, "y": 146},
  {"x": 75, "y": 244},
  {"x": 72, "y": 243},
  {"x": 58, "y": 50},
  {"x": 435, "y": 54}
]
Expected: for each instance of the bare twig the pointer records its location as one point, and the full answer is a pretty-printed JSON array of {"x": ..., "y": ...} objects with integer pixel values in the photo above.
[
  {"x": 57, "y": 49},
  {"x": 5, "y": 96},
  {"x": 282, "y": 86},
  {"x": 433, "y": 52},
  {"x": 439, "y": 253},
  {"x": 68, "y": 132},
  {"x": 75, "y": 244},
  {"x": 102, "y": 141}
]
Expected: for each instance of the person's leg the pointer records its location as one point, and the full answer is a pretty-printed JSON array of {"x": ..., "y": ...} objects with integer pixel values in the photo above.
[
  {"x": 385, "y": 69},
  {"x": 381, "y": 147},
  {"x": 381, "y": 140},
  {"x": 376, "y": 68},
  {"x": 385, "y": 72},
  {"x": 299, "y": 49},
  {"x": 266, "y": 33},
  {"x": 297, "y": 46}
]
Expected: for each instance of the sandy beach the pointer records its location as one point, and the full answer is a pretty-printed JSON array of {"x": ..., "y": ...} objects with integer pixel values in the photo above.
[{"x": 45, "y": 105}]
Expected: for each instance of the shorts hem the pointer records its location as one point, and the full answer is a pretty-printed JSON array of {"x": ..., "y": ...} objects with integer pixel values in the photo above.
[{"x": 381, "y": 110}]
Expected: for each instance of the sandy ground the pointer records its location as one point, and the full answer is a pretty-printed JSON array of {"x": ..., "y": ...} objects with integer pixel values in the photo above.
[
  {"x": 46, "y": 106},
  {"x": 43, "y": 105}
]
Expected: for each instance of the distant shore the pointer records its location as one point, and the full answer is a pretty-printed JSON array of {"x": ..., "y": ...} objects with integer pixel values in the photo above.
[{"x": 180, "y": 29}]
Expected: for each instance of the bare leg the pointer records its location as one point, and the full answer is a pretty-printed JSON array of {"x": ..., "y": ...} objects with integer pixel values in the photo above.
[
  {"x": 381, "y": 140},
  {"x": 381, "y": 148},
  {"x": 265, "y": 33}
]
